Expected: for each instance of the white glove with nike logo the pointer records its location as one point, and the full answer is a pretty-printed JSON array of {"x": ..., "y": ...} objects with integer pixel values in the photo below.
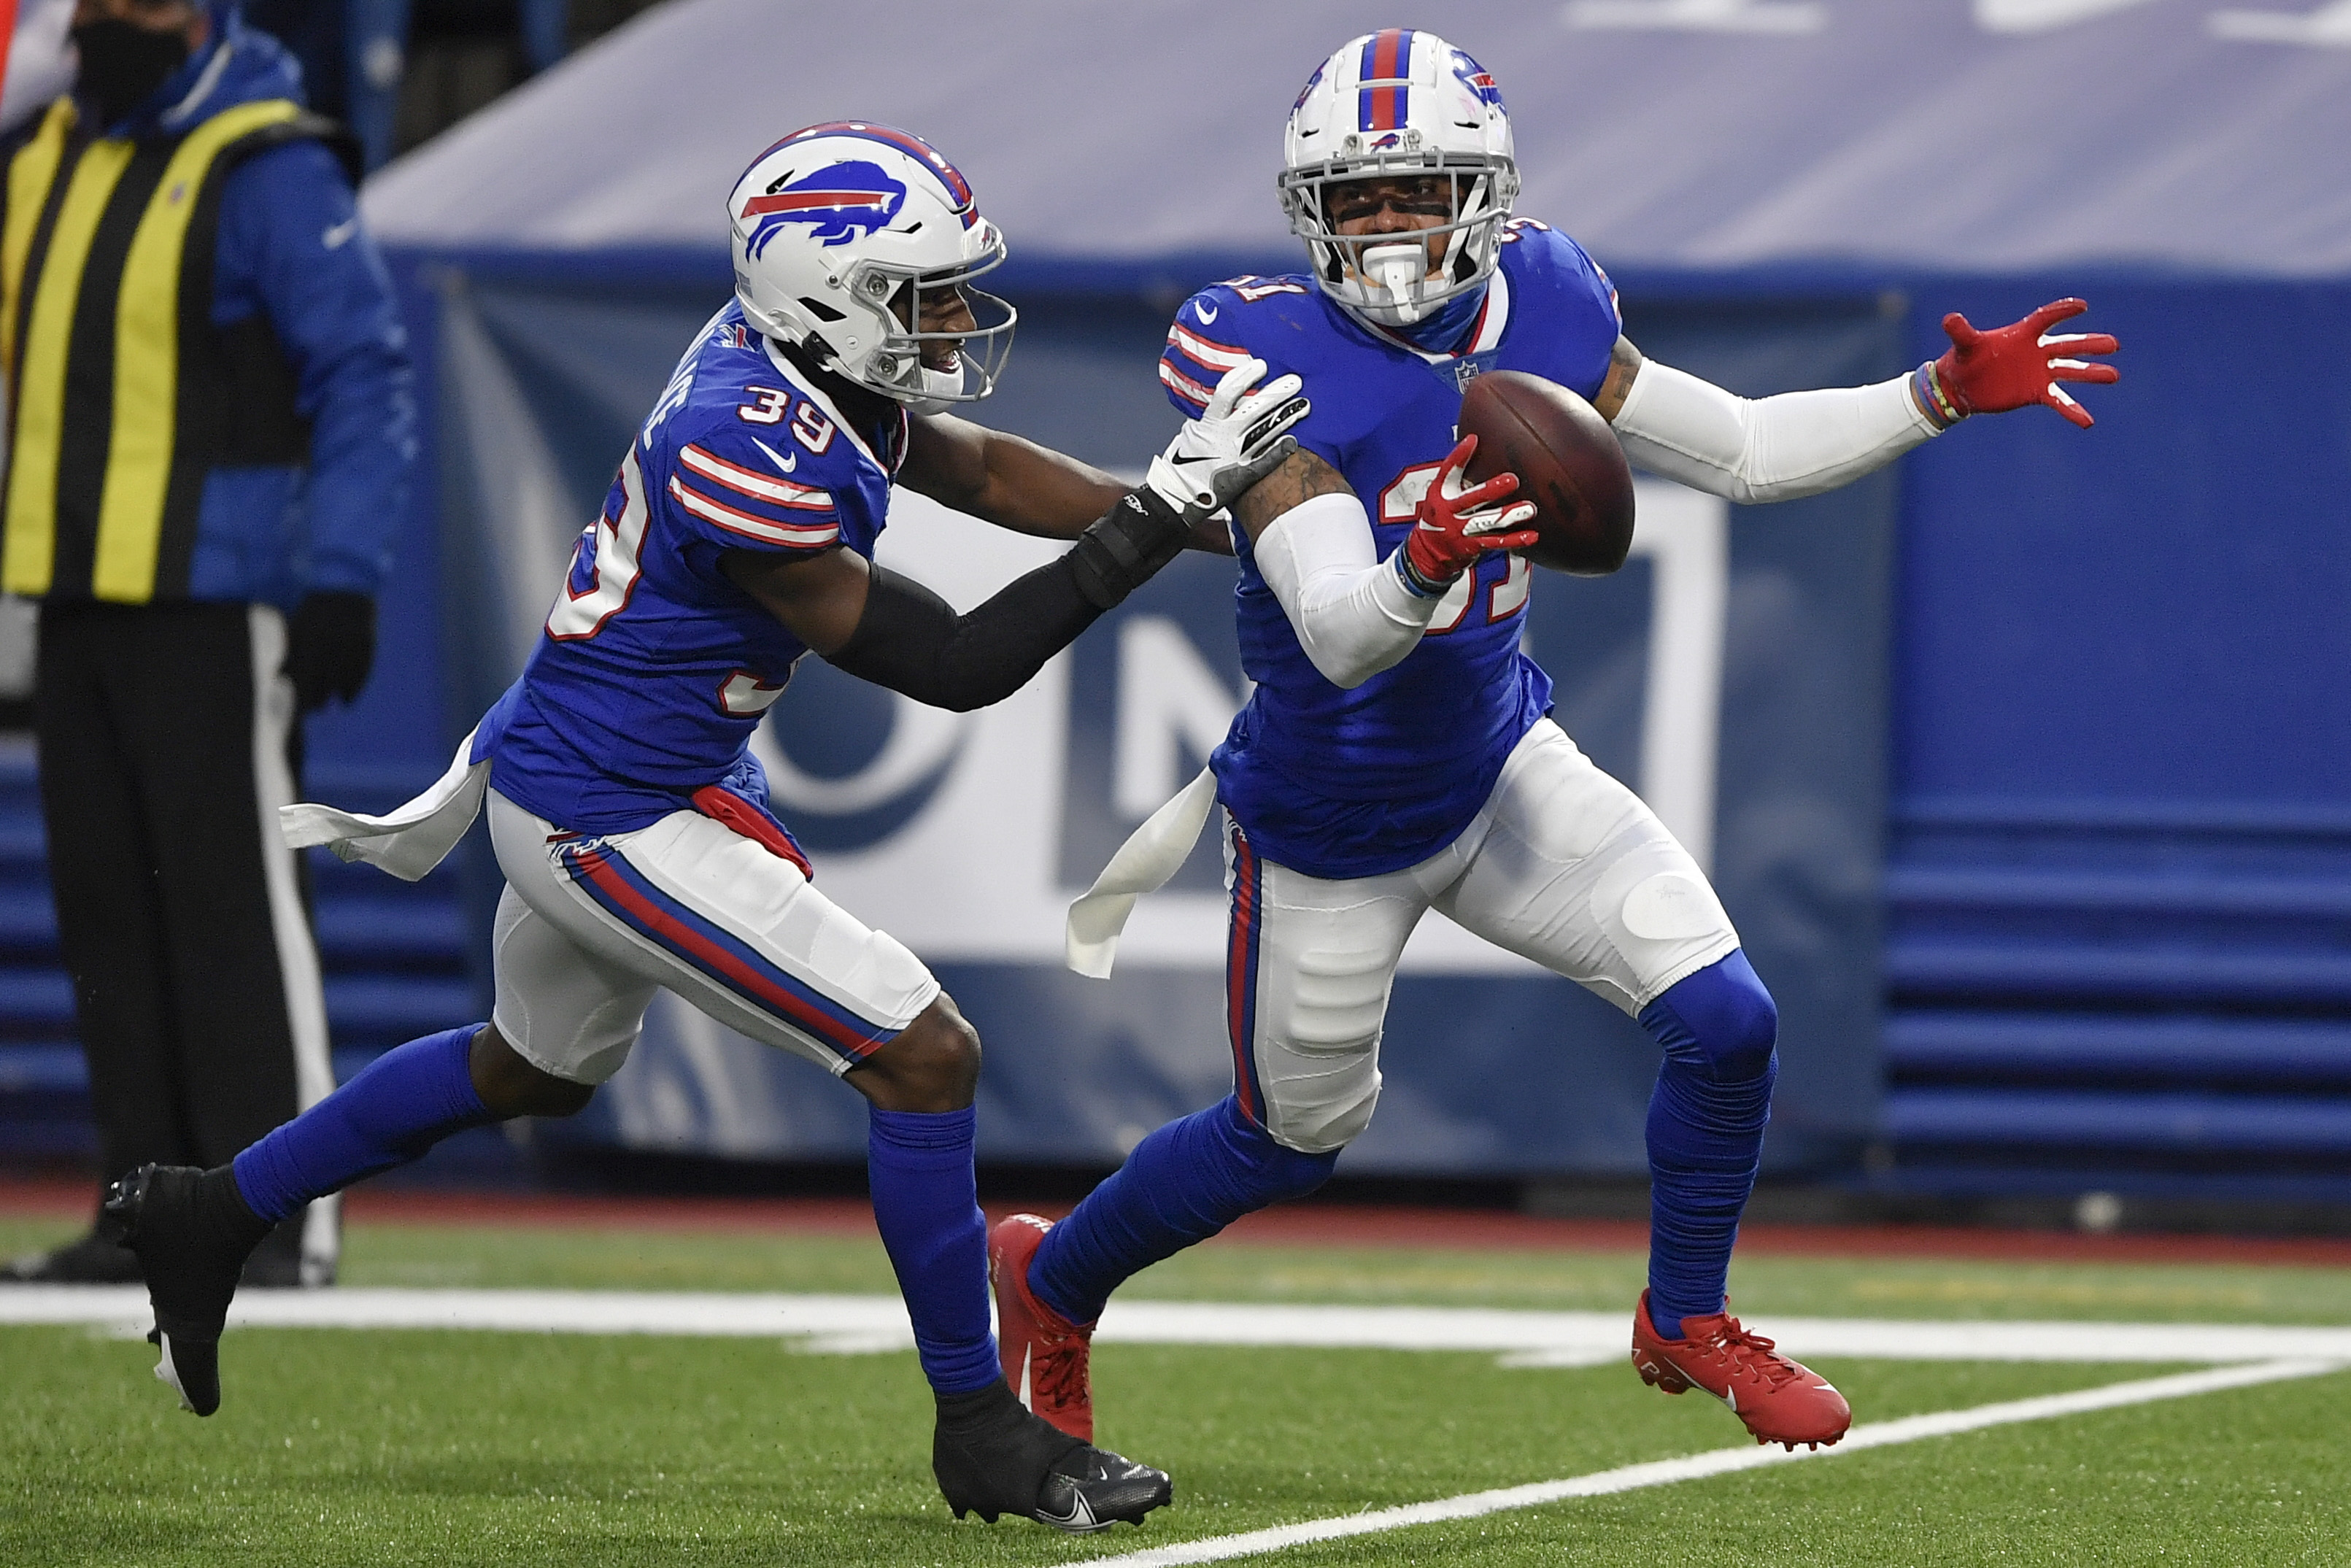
[{"x": 1240, "y": 438}]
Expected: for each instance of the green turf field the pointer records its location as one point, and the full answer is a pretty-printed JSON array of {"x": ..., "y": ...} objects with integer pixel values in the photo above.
[{"x": 339, "y": 1447}]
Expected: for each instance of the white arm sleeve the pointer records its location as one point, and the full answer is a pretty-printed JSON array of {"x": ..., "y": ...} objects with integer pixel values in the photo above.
[
  {"x": 1353, "y": 614},
  {"x": 1765, "y": 449}
]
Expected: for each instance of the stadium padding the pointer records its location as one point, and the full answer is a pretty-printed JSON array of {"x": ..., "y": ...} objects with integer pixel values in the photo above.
[{"x": 393, "y": 954}]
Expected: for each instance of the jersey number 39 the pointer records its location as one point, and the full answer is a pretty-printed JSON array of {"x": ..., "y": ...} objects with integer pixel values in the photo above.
[{"x": 604, "y": 564}]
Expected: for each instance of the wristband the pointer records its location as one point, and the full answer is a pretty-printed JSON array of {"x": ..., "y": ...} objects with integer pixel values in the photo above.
[
  {"x": 1926, "y": 389},
  {"x": 1125, "y": 546},
  {"x": 1413, "y": 583}
]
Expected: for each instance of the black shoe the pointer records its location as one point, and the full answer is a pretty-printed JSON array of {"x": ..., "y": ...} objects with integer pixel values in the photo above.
[
  {"x": 92, "y": 1260},
  {"x": 193, "y": 1232},
  {"x": 276, "y": 1264},
  {"x": 992, "y": 1457}
]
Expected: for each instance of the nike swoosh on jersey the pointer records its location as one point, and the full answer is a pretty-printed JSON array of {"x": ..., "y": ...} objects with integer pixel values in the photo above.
[
  {"x": 1206, "y": 312},
  {"x": 338, "y": 236},
  {"x": 780, "y": 460}
]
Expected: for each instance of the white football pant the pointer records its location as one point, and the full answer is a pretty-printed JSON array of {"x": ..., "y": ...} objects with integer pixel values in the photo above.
[
  {"x": 1564, "y": 866},
  {"x": 590, "y": 926}
]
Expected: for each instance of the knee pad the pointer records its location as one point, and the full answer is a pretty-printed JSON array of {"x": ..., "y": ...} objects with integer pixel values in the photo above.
[
  {"x": 1318, "y": 1125},
  {"x": 1721, "y": 1017}
]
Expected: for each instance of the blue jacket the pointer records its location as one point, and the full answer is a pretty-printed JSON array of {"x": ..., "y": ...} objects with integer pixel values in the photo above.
[{"x": 290, "y": 247}]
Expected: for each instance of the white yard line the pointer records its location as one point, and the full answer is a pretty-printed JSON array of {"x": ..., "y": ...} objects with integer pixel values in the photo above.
[
  {"x": 856, "y": 1324},
  {"x": 1718, "y": 1461}
]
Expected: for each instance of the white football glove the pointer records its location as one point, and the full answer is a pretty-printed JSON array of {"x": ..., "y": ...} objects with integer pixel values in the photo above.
[{"x": 1239, "y": 439}]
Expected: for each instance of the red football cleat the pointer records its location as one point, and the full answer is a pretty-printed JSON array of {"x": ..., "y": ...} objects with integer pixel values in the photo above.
[
  {"x": 1044, "y": 1355},
  {"x": 1781, "y": 1401}
]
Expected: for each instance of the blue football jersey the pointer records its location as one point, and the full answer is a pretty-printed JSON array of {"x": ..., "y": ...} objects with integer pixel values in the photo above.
[
  {"x": 655, "y": 668},
  {"x": 1356, "y": 783}
]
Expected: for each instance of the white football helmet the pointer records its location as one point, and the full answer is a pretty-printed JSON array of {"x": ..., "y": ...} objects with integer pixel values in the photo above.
[
  {"x": 840, "y": 231},
  {"x": 1399, "y": 103}
]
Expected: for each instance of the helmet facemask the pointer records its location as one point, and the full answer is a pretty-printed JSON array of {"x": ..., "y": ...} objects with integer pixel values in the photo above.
[
  {"x": 887, "y": 303},
  {"x": 1390, "y": 278}
]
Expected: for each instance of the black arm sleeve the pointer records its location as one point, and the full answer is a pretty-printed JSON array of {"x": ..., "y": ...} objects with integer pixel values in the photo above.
[{"x": 912, "y": 641}]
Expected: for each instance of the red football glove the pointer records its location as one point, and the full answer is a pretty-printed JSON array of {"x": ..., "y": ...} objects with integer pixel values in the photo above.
[
  {"x": 1456, "y": 525},
  {"x": 2019, "y": 364}
]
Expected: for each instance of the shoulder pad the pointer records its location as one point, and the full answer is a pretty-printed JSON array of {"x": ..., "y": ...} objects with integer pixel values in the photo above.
[
  {"x": 1550, "y": 258},
  {"x": 750, "y": 492},
  {"x": 1221, "y": 326}
]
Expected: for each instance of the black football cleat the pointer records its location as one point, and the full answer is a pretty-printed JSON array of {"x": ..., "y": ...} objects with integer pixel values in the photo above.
[
  {"x": 1093, "y": 1489},
  {"x": 192, "y": 1233},
  {"x": 993, "y": 1457}
]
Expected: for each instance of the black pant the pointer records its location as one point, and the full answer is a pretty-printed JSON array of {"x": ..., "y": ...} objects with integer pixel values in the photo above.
[{"x": 152, "y": 723}]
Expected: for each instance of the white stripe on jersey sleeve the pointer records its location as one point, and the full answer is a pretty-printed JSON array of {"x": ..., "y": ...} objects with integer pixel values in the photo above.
[
  {"x": 1216, "y": 356},
  {"x": 1183, "y": 386},
  {"x": 766, "y": 531},
  {"x": 758, "y": 486}
]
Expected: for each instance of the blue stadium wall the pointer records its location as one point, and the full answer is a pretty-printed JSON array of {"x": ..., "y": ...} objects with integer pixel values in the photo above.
[{"x": 2034, "y": 773}]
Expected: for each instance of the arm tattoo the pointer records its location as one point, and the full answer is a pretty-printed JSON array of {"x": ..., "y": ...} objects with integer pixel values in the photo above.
[
  {"x": 1625, "y": 362},
  {"x": 1301, "y": 476}
]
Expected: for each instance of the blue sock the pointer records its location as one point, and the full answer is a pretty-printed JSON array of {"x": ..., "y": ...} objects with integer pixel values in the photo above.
[
  {"x": 406, "y": 1101},
  {"x": 1183, "y": 1183},
  {"x": 927, "y": 1206},
  {"x": 1705, "y": 1131}
]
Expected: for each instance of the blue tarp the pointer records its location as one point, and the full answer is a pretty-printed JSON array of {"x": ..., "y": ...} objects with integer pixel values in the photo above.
[{"x": 2004, "y": 135}]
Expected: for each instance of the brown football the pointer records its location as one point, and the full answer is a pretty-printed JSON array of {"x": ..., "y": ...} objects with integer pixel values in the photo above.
[{"x": 1568, "y": 465}]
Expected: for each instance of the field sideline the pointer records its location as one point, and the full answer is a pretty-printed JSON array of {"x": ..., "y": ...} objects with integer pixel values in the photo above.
[{"x": 1526, "y": 1441}]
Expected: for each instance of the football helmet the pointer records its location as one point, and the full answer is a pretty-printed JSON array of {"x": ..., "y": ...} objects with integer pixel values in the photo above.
[
  {"x": 841, "y": 231},
  {"x": 1398, "y": 104}
]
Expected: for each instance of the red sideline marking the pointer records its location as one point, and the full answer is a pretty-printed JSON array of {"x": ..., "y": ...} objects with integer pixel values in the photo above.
[{"x": 1295, "y": 1225}]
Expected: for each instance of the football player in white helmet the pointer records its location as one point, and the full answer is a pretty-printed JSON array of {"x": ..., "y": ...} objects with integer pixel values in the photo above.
[
  {"x": 632, "y": 822},
  {"x": 858, "y": 243},
  {"x": 1398, "y": 753},
  {"x": 1361, "y": 139}
]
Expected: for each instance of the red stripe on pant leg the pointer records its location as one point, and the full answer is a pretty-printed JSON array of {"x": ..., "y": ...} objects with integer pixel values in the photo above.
[
  {"x": 1238, "y": 978},
  {"x": 684, "y": 937}
]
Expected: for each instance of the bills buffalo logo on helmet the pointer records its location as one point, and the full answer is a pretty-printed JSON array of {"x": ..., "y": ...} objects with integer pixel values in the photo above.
[
  {"x": 1307, "y": 92},
  {"x": 1477, "y": 78},
  {"x": 1384, "y": 142},
  {"x": 840, "y": 202}
]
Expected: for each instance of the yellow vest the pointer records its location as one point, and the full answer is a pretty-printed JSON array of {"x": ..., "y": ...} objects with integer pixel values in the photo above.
[{"x": 122, "y": 394}]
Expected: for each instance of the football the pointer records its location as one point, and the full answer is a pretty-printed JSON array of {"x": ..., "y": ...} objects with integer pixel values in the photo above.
[{"x": 1568, "y": 462}]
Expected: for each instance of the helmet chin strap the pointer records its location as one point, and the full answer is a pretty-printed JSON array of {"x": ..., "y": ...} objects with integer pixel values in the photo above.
[{"x": 939, "y": 388}]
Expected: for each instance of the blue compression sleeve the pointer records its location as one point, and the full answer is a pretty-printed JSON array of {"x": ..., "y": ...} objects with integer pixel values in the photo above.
[
  {"x": 927, "y": 1206},
  {"x": 1707, "y": 1116},
  {"x": 406, "y": 1101},
  {"x": 1183, "y": 1183}
]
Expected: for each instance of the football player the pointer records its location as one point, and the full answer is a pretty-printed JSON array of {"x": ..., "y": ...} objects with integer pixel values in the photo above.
[
  {"x": 1398, "y": 753},
  {"x": 630, "y": 821}
]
